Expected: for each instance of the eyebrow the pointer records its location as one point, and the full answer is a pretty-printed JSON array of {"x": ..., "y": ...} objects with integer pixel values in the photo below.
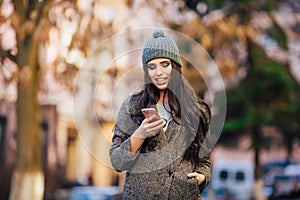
[
  {"x": 162, "y": 62},
  {"x": 165, "y": 61}
]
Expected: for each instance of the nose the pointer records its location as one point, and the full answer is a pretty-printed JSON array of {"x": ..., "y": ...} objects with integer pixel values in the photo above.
[{"x": 158, "y": 70}]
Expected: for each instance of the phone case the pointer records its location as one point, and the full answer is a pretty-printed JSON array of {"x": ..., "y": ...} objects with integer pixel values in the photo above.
[{"x": 147, "y": 112}]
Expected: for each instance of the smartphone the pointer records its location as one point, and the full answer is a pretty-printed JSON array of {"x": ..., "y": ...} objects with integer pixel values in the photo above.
[{"x": 147, "y": 112}]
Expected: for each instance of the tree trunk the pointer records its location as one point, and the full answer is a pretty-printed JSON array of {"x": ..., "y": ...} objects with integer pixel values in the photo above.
[
  {"x": 258, "y": 188},
  {"x": 27, "y": 185},
  {"x": 28, "y": 179}
]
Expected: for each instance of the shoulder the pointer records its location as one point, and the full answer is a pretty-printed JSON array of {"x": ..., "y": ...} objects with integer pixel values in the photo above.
[
  {"x": 125, "y": 118},
  {"x": 132, "y": 99},
  {"x": 135, "y": 98},
  {"x": 131, "y": 103}
]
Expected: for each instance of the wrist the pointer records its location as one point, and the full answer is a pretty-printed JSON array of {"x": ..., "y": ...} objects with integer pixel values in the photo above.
[
  {"x": 136, "y": 143},
  {"x": 138, "y": 134}
]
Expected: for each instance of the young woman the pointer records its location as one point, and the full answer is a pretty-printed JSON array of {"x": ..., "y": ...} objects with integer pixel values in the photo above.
[{"x": 164, "y": 157}]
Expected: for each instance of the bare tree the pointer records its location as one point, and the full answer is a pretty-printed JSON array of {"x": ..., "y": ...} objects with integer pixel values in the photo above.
[{"x": 28, "y": 179}]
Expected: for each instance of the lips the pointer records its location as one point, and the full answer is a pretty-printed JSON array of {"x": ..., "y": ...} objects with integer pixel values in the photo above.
[{"x": 161, "y": 81}]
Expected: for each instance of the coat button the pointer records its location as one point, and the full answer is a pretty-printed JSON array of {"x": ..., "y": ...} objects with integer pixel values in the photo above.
[{"x": 170, "y": 172}]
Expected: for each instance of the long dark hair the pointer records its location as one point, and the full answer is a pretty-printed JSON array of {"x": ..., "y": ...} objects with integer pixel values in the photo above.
[{"x": 184, "y": 104}]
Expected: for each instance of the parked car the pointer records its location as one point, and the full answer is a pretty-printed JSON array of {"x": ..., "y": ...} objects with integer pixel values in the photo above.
[
  {"x": 234, "y": 177},
  {"x": 96, "y": 193},
  {"x": 282, "y": 181}
]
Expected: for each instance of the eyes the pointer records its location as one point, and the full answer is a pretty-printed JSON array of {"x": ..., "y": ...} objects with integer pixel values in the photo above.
[{"x": 154, "y": 66}]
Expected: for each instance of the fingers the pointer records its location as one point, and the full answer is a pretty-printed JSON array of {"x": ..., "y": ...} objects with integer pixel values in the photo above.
[
  {"x": 152, "y": 127},
  {"x": 155, "y": 126},
  {"x": 152, "y": 118},
  {"x": 200, "y": 177},
  {"x": 154, "y": 123},
  {"x": 192, "y": 175}
]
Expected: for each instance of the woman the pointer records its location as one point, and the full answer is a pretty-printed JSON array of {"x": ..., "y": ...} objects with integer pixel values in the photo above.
[{"x": 162, "y": 158}]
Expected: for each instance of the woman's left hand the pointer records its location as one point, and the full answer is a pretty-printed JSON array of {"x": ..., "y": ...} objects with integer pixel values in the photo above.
[{"x": 200, "y": 177}]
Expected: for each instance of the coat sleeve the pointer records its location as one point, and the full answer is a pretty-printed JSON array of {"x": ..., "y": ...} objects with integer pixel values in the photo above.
[
  {"x": 120, "y": 156},
  {"x": 204, "y": 167}
]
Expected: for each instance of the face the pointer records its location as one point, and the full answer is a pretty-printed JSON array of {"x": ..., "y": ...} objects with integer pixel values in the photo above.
[{"x": 159, "y": 71}]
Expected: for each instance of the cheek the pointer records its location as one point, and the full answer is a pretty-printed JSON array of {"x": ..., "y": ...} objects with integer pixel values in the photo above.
[
  {"x": 151, "y": 74},
  {"x": 169, "y": 71}
]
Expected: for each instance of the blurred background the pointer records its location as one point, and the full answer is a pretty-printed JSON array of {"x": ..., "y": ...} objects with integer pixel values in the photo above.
[{"x": 44, "y": 45}]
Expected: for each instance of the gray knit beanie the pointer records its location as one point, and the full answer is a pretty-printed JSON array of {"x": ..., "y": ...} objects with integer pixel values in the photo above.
[{"x": 160, "y": 46}]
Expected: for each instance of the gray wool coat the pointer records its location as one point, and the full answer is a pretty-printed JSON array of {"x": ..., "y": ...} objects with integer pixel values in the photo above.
[{"x": 159, "y": 173}]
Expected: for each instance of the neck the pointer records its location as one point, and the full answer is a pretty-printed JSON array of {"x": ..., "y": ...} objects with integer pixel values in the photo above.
[{"x": 161, "y": 97}]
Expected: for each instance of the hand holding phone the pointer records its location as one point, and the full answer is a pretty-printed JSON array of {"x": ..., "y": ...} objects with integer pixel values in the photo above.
[
  {"x": 151, "y": 125},
  {"x": 147, "y": 112}
]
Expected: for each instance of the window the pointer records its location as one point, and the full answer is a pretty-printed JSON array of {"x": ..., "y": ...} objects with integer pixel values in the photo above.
[
  {"x": 223, "y": 175},
  {"x": 240, "y": 176}
]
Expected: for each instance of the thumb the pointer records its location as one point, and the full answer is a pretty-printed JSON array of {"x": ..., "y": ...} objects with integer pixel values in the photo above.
[
  {"x": 192, "y": 174},
  {"x": 148, "y": 119}
]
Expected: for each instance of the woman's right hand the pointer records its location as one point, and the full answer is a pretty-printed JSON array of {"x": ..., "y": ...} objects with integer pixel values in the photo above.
[{"x": 149, "y": 127}]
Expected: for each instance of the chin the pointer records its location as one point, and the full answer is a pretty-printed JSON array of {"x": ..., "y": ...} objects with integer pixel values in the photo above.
[{"x": 161, "y": 87}]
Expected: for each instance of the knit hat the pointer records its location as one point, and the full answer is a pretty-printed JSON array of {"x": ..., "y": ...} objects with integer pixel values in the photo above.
[{"x": 160, "y": 46}]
